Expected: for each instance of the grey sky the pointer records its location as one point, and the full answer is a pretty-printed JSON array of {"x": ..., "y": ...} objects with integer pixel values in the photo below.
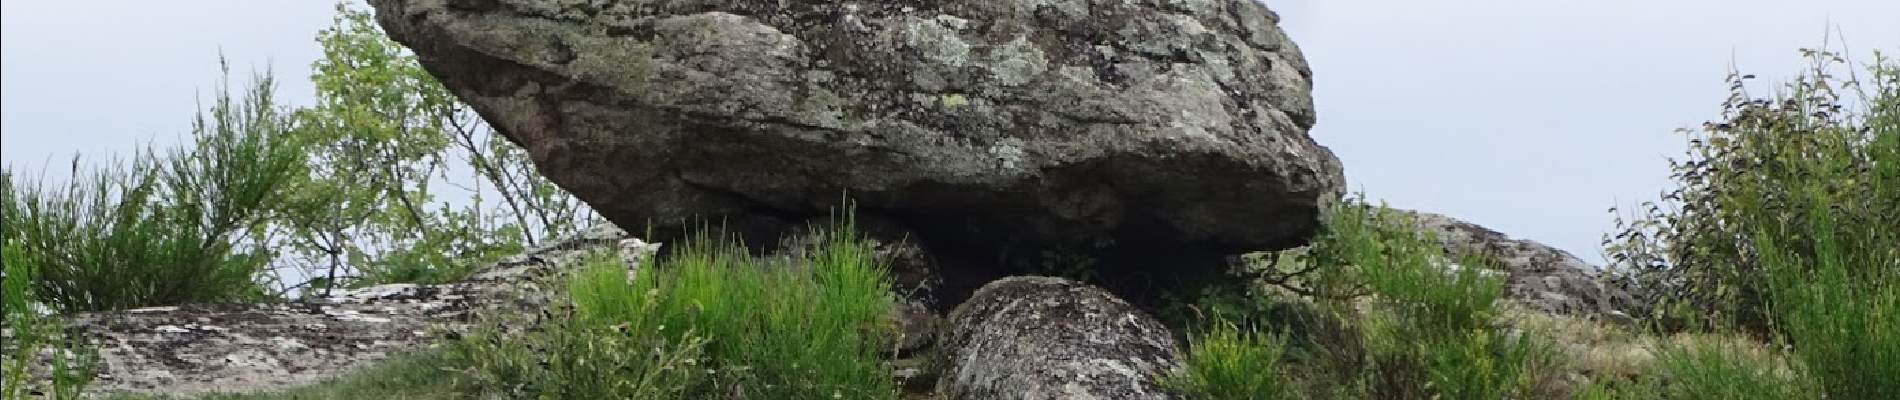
[{"x": 1529, "y": 117}]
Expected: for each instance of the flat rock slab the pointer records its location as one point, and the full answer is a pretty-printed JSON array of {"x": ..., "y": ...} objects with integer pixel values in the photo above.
[{"x": 248, "y": 348}]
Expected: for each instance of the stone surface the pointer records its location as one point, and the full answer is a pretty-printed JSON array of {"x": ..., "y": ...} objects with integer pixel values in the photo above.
[
  {"x": 995, "y": 129},
  {"x": 1538, "y": 277},
  {"x": 192, "y": 350},
  {"x": 1541, "y": 277},
  {"x": 1052, "y": 338}
]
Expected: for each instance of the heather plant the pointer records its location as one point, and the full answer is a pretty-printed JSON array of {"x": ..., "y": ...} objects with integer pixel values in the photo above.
[{"x": 1387, "y": 319}]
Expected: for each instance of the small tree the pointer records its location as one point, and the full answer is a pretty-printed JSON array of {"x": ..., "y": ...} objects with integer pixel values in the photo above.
[{"x": 384, "y": 135}]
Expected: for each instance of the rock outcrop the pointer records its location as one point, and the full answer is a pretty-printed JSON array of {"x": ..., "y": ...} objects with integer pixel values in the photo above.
[
  {"x": 1540, "y": 277},
  {"x": 192, "y": 350},
  {"x": 1044, "y": 338},
  {"x": 1134, "y": 131}
]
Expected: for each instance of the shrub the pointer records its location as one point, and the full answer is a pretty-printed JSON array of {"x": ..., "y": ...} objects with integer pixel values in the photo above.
[
  {"x": 1688, "y": 260},
  {"x": 1834, "y": 268},
  {"x": 1432, "y": 334},
  {"x": 1391, "y": 321},
  {"x": 160, "y": 231}
]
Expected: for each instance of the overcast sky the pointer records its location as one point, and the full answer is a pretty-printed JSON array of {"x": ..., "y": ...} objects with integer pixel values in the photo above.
[{"x": 1529, "y": 117}]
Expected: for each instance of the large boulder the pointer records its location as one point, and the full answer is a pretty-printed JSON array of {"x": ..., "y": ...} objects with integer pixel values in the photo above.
[
  {"x": 1031, "y": 338},
  {"x": 998, "y": 130}
]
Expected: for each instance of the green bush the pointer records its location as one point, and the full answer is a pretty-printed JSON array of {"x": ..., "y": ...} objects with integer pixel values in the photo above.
[
  {"x": 1435, "y": 337},
  {"x": 1427, "y": 332},
  {"x": 1687, "y": 259},
  {"x": 160, "y": 231},
  {"x": 1785, "y": 232},
  {"x": 1834, "y": 268}
]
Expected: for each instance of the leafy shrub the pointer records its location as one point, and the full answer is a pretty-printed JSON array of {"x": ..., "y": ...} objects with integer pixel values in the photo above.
[
  {"x": 1688, "y": 259},
  {"x": 1785, "y": 232},
  {"x": 1834, "y": 268}
]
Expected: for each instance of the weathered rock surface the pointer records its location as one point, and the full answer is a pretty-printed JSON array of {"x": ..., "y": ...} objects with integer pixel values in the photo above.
[
  {"x": 1537, "y": 277},
  {"x": 1010, "y": 126},
  {"x": 193, "y": 350},
  {"x": 1051, "y": 338},
  {"x": 247, "y": 348},
  {"x": 1541, "y": 277}
]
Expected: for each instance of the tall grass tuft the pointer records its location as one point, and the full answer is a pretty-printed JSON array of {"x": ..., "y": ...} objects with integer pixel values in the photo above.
[
  {"x": 1717, "y": 371},
  {"x": 27, "y": 331},
  {"x": 1234, "y": 363},
  {"x": 710, "y": 323},
  {"x": 1411, "y": 326},
  {"x": 1434, "y": 335}
]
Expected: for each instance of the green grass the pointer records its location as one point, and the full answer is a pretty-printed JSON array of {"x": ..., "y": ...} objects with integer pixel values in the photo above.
[
  {"x": 710, "y": 323},
  {"x": 27, "y": 331},
  {"x": 1833, "y": 277},
  {"x": 1227, "y": 363},
  {"x": 1416, "y": 332}
]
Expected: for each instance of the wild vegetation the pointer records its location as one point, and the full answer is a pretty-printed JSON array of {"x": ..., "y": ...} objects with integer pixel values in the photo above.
[{"x": 1770, "y": 273}]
